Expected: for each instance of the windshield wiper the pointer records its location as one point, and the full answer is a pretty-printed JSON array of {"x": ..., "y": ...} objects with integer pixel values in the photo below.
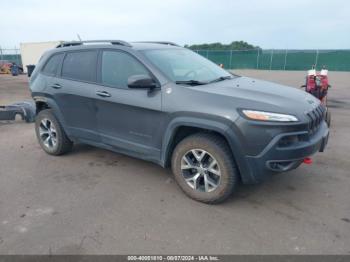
[
  {"x": 221, "y": 78},
  {"x": 191, "y": 82}
]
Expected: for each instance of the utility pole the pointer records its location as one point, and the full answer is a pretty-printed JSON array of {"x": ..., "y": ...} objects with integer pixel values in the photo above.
[
  {"x": 285, "y": 60},
  {"x": 316, "y": 59},
  {"x": 271, "y": 59}
]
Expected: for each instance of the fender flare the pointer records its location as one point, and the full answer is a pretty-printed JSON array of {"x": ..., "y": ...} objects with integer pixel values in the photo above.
[
  {"x": 223, "y": 126},
  {"x": 53, "y": 105}
]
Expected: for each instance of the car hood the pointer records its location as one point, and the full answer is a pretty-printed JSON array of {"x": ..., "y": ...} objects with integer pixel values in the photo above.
[{"x": 262, "y": 95}]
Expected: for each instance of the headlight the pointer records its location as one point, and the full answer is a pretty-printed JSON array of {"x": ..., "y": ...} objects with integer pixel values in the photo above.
[{"x": 268, "y": 116}]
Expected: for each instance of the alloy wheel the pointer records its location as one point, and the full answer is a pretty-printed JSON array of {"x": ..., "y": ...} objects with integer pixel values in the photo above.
[
  {"x": 48, "y": 133},
  {"x": 200, "y": 170}
]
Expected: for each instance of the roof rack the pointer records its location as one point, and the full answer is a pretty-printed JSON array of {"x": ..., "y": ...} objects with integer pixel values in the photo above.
[
  {"x": 158, "y": 42},
  {"x": 75, "y": 43}
]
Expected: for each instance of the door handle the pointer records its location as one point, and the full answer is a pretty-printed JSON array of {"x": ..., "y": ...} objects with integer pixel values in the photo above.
[
  {"x": 56, "y": 86},
  {"x": 103, "y": 94}
]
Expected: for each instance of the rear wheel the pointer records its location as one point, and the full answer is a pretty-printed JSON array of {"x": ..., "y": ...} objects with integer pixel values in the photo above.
[
  {"x": 50, "y": 134},
  {"x": 203, "y": 167}
]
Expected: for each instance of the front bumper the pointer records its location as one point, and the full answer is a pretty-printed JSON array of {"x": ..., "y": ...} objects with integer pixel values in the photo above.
[{"x": 285, "y": 152}]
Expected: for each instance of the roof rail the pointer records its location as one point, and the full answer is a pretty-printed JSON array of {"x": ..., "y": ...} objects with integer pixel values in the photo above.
[
  {"x": 74, "y": 43},
  {"x": 158, "y": 42}
]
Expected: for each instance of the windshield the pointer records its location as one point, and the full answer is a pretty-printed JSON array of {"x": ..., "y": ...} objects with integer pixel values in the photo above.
[{"x": 183, "y": 65}]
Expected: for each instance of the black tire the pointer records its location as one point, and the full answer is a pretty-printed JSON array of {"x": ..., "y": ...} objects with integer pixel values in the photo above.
[
  {"x": 62, "y": 143},
  {"x": 217, "y": 148},
  {"x": 328, "y": 117}
]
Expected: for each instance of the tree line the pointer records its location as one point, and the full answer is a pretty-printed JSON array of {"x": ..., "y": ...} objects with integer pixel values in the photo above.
[{"x": 235, "y": 45}]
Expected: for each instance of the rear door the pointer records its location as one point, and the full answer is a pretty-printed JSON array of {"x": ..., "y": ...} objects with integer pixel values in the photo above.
[
  {"x": 73, "y": 91},
  {"x": 128, "y": 119}
]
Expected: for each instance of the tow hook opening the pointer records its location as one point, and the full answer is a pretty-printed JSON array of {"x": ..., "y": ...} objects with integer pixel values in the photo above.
[{"x": 283, "y": 165}]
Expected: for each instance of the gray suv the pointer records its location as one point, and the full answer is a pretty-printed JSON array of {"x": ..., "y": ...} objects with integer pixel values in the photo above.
[{"x": 163, "y": 103}]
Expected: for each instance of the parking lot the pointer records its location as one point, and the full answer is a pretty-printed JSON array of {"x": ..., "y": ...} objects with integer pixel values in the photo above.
[{"x": 92, "y": 201}]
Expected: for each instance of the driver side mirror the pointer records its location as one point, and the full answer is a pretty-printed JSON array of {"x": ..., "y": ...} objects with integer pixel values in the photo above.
[{"x": 141, "y": 81}]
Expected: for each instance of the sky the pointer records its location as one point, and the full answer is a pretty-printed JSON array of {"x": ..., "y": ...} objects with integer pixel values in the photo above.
[{"x": 275, "y": 24}]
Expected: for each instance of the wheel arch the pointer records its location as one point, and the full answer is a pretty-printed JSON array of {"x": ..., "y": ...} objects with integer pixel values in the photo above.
[
  {"x": 181, "y": 127},
  {"x": 43, "y": 102},
  {"x": 41, "y": 105}
]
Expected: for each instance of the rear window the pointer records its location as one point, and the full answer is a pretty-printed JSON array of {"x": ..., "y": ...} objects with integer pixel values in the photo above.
[
  {"x": 80, "y": 66},
  {"x": 53, "y": 64}
]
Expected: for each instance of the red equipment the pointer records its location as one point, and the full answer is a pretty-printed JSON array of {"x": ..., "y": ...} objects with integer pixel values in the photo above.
[
  {"x": 317, "y": 85},
  {"x": 307, "y": 161}
]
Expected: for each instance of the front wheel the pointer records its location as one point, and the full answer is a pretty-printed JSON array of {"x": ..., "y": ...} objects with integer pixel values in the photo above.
[{"x": 204, "y": 168}]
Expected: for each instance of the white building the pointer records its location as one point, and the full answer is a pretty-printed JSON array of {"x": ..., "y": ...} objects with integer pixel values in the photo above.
[{"x": 31, "y": 52}]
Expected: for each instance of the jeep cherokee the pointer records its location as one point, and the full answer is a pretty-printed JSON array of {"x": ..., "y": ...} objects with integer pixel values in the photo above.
[{"x": 163, "y": 103}]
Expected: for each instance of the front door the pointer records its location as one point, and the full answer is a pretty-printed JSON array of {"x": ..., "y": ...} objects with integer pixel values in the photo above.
[{"x": 128, "y": 119}]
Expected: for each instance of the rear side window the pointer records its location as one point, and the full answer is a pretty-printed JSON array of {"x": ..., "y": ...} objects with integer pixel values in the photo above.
[
  {"x": 117, "y": 67},
  {"x": 53, "y": 64},
  {"x": 80, "y": 66}
]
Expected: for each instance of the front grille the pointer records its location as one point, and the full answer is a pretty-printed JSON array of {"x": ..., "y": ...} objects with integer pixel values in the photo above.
[{"x": 316, "y": 116}]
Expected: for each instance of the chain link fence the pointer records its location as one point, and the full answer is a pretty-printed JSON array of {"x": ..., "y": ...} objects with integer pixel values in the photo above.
[
  {"x": 11, "y": 55},
  {"x": 277, "y": 59},
  {"x": 266, "y": 59}
]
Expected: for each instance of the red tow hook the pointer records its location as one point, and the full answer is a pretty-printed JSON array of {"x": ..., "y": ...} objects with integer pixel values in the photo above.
[{"x": 307, "y": 160}]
